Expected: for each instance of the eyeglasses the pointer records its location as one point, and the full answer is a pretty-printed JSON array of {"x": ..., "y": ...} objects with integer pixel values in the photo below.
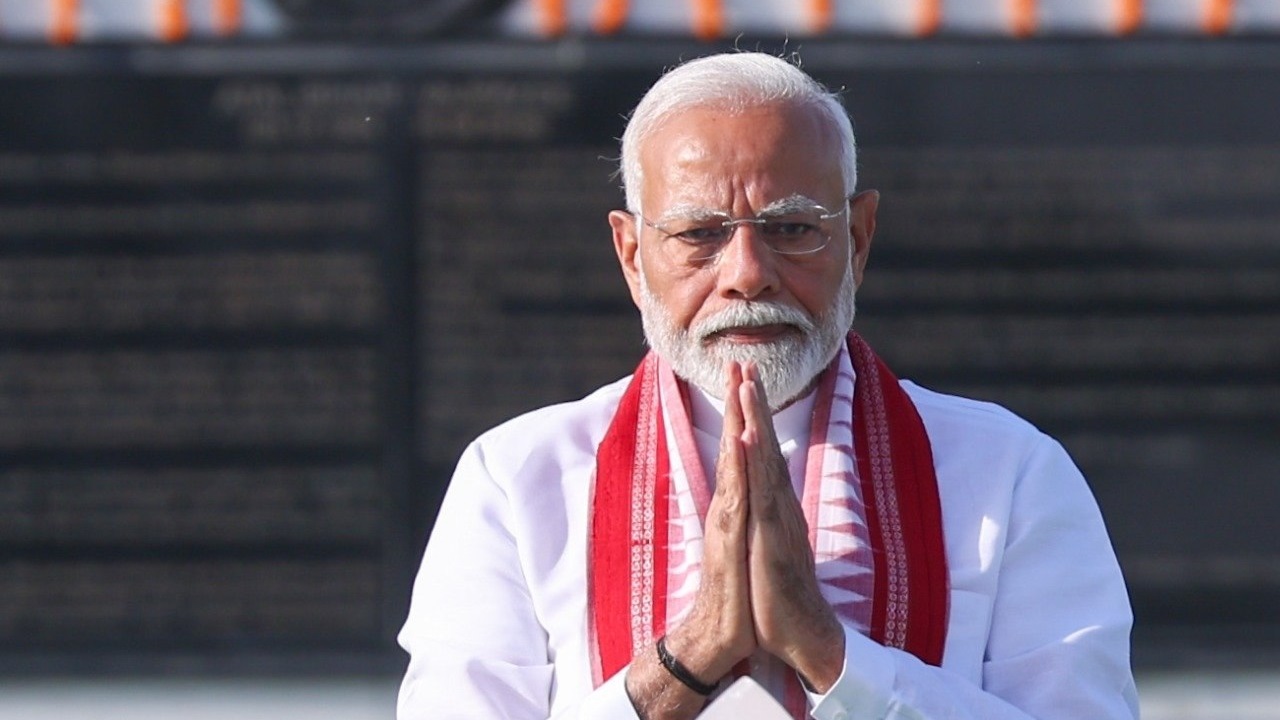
[{"x": 702, "y": 237}]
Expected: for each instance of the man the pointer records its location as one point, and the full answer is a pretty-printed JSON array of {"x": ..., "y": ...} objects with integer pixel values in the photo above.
[{"x": 762, "y": 496}]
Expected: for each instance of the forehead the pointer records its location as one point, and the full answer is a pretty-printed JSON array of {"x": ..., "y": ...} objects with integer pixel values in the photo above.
[{"x": 740, "y": 161}]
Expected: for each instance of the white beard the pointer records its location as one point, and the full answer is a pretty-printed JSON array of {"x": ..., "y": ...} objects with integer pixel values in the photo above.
[{"x": 788, "y": 365}]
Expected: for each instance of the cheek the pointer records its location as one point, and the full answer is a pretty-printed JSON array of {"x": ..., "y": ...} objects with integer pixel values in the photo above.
[
  {"x": 816, "y": 292},
  {"x": 687, "y": 308},
  {"x": 685, "y": 297}
]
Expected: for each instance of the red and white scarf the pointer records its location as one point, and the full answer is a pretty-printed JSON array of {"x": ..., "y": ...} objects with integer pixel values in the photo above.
[{"x": 870, "y": 500}]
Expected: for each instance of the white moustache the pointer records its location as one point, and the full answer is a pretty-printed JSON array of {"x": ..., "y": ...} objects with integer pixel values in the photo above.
[{"x": 751, "y": 314}]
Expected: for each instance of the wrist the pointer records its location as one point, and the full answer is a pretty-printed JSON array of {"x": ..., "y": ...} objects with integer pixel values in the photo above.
[
  {"x": 820, "y": 661},
  {"x": 655, "y": 693},
  {"x": 699, "y": 654},
  {"x": 678, "y": 670}
]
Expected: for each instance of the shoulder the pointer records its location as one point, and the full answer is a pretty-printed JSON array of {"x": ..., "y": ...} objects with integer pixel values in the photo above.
[
  {"x": 987, "y": 443},
  {"x": 952, "y": 414}
]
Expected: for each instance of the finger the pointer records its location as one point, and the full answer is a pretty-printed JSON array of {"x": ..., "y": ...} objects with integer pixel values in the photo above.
[
  {"x": 756, "y": 403},
  {"x": 729, "y": 503},
  {"x": 730, "y": 465},
  {"x": 751, "y": 424},
  {"x": 733, "y": 418},
  {"x": 724, "y": 594},
  {"x": 751, "y": 372},
  {"x": 766, "y": 469}
]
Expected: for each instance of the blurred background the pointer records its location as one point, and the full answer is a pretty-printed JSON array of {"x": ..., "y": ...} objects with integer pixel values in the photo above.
[{"x": 266, "y": 266}]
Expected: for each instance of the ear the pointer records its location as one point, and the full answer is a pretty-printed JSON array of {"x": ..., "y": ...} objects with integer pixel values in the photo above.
[
  {"x": 626, "y": 244},
  {"x": 862, "y": 227}
]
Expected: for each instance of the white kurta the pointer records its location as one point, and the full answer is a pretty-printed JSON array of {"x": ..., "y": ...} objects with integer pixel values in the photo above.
[{"x": 1039, "y": 618}]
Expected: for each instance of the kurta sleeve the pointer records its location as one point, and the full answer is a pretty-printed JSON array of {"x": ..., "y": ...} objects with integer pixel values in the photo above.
[
  {"x": 477, "y": 647},
  {"x": 1058, "y": 641}
]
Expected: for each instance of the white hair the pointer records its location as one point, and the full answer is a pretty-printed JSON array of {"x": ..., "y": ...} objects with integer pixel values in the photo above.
[
  {"x": 787, "y": 365},
  {"x": 734, "y": 82}
]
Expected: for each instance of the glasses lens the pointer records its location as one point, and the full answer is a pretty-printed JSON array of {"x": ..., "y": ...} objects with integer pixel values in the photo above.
[
  {"x": 695, "y": 240},
  {"x": 795, "y": 233},
  {"x": 699, "y": 240}
]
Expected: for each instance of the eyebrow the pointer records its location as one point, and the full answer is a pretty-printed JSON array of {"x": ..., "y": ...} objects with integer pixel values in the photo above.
[
  {"x": 791, "y": 203},
  {"x": 688, "y": 211}
]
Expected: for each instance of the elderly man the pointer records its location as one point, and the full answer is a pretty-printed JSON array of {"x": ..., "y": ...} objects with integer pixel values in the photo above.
[{"x": 762, "y": 496}]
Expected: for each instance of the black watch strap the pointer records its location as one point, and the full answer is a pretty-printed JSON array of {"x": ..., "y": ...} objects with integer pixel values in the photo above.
[{"x": 680, "y": 672}]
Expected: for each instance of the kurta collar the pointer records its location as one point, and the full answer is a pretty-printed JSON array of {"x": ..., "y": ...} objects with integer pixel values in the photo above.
[{"x": 792, "y": 426}]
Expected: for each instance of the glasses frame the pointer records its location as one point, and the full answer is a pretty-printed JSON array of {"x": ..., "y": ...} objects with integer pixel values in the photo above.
[{"x": 731, "y": 223}]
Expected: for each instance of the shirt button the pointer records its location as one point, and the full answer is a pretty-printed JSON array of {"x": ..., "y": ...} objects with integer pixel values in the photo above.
[{"x": 840, "y": 715}]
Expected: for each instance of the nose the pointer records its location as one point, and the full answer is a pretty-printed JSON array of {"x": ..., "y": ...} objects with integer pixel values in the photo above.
[{"x": 747, "y": 269}]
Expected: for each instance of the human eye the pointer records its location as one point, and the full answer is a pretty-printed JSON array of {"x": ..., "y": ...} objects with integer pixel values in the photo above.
[
  {"x": 703, "y": 234},
  {"x": 793, "y": 233},
  {"x": 789, "y": 228}
]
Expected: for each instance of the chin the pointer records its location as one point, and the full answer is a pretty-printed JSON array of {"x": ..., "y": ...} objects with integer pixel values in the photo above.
[{"x": 788, "y": 367}]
